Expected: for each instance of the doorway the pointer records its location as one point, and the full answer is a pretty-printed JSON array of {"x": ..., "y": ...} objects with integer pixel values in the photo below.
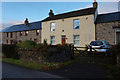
[
  {"x": 63, "y": 39},
  {"x": 117, "y": 37}
]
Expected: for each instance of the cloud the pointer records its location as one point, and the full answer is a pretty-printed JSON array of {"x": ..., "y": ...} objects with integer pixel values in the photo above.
[
  {"x": 10, "y": 23},
  {"x": 107, "y": 7}
]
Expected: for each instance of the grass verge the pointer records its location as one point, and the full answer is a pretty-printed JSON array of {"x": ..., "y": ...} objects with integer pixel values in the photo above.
[
  {"x": 112, "y": 71},
  {"x": 36, "y": 66}
]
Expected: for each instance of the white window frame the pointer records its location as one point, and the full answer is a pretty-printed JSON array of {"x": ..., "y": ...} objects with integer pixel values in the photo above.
[
  {"x": 38, "y": 31},
  {"x": 76, "y": 40},
  {"x": 26, "y": 33},
  {"x": 52, "y": 27},
  {"x": 116, "y": 30},
  {"x": 75, "y": 24},
  {"x": 52, "y": 40}
]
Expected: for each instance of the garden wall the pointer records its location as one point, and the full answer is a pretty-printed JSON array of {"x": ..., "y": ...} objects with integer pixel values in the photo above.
[
  {"x": 46, "y": 54},
  {"x": 118, "y": 60}
]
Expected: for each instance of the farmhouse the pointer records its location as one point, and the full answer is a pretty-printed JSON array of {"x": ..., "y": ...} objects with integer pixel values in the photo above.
[{"x": 78, "y": 27}]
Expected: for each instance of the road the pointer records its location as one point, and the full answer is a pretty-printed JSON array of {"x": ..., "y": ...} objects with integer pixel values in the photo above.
[
  {"x": 82, "y": 71},
  {"x": 12, "y": 71}
]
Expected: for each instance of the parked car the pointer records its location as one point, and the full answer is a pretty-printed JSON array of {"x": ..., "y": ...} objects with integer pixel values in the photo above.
[{"x": 99, "y": 46}]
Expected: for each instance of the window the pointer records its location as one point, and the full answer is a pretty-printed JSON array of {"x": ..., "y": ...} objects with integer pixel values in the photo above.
[
  {"x": 52, "y": 40},
  {"x": 11, "y": 35},
  {"x": 7, "y": 34},
  {"x": 11, "y": 41},
  {"x": 7, "y": 41},
  {"x": 37, "y": 32},
  {"x": 107, "y": 43},
  {"x": 76, "y": 24},
  {"x": 52, "y": 27},
  {"x": 30, "y": 38},
  {"x": 26, "y": 33},
  {"x": 76, "y": 39},
  {"x": 20, "y": 33}
]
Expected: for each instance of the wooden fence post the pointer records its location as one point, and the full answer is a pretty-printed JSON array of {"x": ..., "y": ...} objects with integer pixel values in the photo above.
[
  {"x": 90, "y": 49},
  {"x": 71, "y": 51}
]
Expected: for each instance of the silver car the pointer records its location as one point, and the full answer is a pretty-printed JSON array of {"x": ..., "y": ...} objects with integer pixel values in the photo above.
[{"x": 99, "y": 46}]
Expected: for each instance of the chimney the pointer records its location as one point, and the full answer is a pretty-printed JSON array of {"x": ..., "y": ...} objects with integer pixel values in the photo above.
[
  {"x": 51, "y": 13},
  {"x": 26, "y": 22},
  {"x": 95, "y": 4}
]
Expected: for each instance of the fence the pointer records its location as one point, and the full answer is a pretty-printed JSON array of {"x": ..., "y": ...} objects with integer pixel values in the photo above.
[{"x": 91, "y": 50}]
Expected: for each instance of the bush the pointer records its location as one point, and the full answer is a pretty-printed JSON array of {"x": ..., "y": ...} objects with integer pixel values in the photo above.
[
  {"x": 86, "y": 47},
  {"x": 10, "y": 51},
  {"x": 116, "y": 49},
  {"x": 62, "y": 47},
  {"x": 27, "y": 44},
  {"x": 41, "y": 46},
  {"x": 115, "y": 52}
]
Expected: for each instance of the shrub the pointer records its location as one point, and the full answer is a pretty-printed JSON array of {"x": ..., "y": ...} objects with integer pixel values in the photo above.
[
  {"x": 45, "y": 41},
  {"x": 62, "y": 47},
  {"x": 116, "y": 49},
  {"x": 10, "y": 51},
  {"x": 86, "y": 47},
  {"x": 27, "y": 44}
]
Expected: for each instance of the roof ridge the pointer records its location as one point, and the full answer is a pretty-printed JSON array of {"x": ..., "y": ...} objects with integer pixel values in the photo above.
[
  {"x": 85, "y": 11},
  {"x": 109, "y": 13},
  {"x": 74, "y": 11}
]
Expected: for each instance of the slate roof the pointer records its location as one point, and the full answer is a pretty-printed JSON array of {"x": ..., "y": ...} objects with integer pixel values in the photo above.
[
  {"x": 81, "y": 12},
  {"x": 110, "y": 17},
  {"x": 22, "y": 27}
]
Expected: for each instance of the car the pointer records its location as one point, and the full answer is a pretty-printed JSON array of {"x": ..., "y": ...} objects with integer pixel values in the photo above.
[{"x": 99, "y": 46}]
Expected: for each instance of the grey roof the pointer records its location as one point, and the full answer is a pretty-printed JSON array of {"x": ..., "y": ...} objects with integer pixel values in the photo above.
[
  {"x": 22, "y": 27},
  {"x": 81, "y": 12},
  {"x": 110, "y": 17}
]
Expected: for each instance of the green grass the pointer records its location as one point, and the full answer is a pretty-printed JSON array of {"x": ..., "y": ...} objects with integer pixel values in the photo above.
[
  {"x": 23, "y": 63},
  {"x": 36, "y": 66},
  {"x": 112, "y": 70}
]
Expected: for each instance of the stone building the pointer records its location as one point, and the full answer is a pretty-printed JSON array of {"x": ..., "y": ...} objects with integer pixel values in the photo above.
[
  {"x": 77, "y": 27},
  {"x": 108, "y": 27},
  {"x": 81, "y": 27},
  {"x": 19, "y": 33}
]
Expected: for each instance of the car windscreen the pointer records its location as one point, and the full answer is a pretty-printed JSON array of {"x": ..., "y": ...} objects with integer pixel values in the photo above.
[
  {"x": 106, "y": 43},
  {"x": 96, "y": 43}
]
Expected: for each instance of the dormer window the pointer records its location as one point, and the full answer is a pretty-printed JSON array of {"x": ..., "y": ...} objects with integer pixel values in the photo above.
[
  {"x": 52, "y": 27},
  {"x": 37, "y": 32},
  {"x": 76, "y": 24},
  {"x": 26, "y": 33}
]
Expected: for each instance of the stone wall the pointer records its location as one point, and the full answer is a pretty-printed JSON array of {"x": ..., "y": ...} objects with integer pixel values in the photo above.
[
  {"x": 52, "y": 54},
  {"x": 105, "y": 31}
]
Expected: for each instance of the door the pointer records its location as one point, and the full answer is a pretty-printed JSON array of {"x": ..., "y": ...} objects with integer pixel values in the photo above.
[
  {"x": 117, "y": 37},
  {"x": 63, "y": 39}
]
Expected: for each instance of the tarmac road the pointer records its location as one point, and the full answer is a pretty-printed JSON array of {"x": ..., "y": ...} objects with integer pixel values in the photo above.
[{"x": 13, "y": 71}]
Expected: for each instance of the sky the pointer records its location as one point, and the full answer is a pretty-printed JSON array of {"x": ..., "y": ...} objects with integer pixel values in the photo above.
[{"x": 15, "y": 12}]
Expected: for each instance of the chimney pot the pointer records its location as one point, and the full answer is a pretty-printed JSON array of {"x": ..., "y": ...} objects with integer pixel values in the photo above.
[
  {"x": 26, "y": 22},
  {"x": 51, "y": 13},
  {"x": 95, "y": 4}
]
